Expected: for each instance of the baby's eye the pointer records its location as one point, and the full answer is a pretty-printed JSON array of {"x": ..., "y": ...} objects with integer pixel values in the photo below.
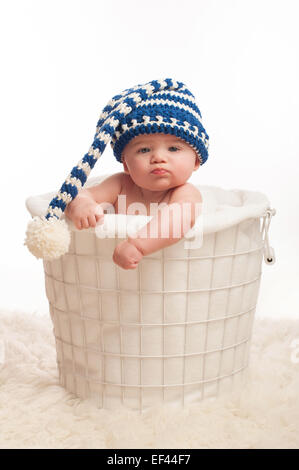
[{"x": 144, "y": 149}]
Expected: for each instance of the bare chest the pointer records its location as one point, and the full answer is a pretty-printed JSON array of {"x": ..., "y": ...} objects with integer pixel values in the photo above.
[{"x": 130, "y": 200}]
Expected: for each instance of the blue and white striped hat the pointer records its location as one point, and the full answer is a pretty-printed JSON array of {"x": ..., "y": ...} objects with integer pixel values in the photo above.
[
  {"x": 166, "y": 106},
  {"x": 160, "y": 106}
]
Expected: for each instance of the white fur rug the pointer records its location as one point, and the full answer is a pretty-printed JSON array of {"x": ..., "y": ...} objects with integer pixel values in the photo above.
[{"x": 35, "y": 412}]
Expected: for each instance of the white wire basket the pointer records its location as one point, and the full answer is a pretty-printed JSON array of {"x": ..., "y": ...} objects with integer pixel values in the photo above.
[{"x": 174, "y": 330}]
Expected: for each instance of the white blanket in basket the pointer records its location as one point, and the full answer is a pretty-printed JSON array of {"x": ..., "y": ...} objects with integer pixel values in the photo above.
[{"x": 222, "y": 208}]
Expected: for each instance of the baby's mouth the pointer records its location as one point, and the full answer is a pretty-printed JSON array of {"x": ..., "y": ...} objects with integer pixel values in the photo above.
[{"x": 159, "y": 171}]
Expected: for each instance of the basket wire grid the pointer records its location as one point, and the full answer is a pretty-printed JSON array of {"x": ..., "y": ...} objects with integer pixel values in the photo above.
[{"x": 84, "y": 365}]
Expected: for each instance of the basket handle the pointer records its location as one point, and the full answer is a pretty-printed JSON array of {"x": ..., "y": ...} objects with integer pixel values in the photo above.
[{"x": 269, "y": 253}]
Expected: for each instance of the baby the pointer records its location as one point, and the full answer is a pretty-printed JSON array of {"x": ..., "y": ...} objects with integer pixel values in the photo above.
[
  {"x": 156, "y": 132},
  {"x": 156, "y": 168}
]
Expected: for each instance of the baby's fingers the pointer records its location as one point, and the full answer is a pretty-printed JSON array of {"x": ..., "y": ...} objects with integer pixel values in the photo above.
[
  {"x": 78, "y": 224},
  {"x": 92, "y": 221},
  {"x": 99, "y": 218},
  {"x": 84, "y": 222}
]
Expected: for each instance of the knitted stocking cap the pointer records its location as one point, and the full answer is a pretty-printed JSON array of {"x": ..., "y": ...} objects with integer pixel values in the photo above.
[{"x": 164, "y": 106}]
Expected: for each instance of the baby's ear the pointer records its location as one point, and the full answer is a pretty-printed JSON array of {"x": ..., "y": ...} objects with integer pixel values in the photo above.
[
  {"x": 197, "y": 163},
  {"x": 126, "y": 170}
]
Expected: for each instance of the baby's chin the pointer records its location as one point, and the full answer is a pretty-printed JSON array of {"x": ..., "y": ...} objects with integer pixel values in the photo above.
[
  {"x": 161, "y": 186},
  {"x": 159, "y": 182},
  {"x": 165, "y": 182}
]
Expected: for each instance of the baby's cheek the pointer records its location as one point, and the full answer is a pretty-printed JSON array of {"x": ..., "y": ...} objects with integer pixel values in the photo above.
[{"x": 182, "y": 171}]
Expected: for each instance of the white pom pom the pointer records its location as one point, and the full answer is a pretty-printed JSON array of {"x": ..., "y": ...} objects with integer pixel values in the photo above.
[{"x": 47, "y": 238}]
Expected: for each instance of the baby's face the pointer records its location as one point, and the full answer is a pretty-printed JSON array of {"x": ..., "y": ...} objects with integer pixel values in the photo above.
[{"x": 147, "y": 152}]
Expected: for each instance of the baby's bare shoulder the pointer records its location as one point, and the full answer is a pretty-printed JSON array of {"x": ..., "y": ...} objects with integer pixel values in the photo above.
[
  {"x": 185, "y": 192},
  {"x": 108, "y": 189}
]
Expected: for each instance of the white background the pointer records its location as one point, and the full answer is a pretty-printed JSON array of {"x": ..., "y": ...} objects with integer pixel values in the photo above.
[{"x": 63, "y": 60}]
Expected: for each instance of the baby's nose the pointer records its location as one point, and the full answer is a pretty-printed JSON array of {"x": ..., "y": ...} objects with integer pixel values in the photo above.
[{"x": 159, "y": 156}]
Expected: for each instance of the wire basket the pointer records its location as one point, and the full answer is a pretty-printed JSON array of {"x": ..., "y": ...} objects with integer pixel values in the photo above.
[{"x": 175, "y": 330}]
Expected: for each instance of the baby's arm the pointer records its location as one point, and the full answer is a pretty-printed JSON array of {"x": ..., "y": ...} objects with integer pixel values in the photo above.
[
  {"x": 170, "y": 224},
  {"x": 88, "y": 207}
]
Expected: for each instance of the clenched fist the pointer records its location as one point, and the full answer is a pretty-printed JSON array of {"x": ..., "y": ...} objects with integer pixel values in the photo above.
[
  {"x": 84, "y": 212},
  {"x": 126, "y": 255}
]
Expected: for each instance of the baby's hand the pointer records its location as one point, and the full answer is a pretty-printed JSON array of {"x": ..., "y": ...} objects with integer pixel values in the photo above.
[
  {"x": 126, "y": 255},
  {"x": 84, "y": 212}
]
